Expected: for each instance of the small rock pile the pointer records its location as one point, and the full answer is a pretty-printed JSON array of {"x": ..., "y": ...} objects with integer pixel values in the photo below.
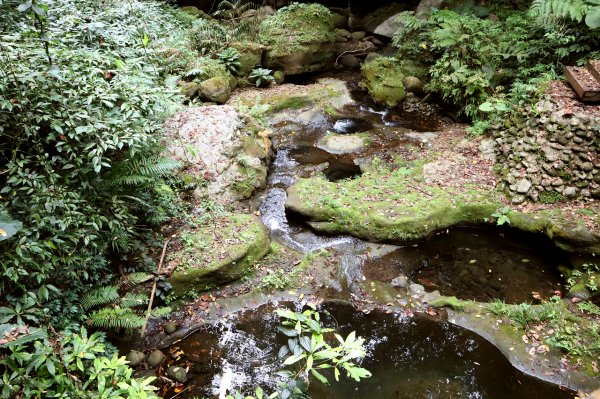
[{"x": 550, "y": 152}]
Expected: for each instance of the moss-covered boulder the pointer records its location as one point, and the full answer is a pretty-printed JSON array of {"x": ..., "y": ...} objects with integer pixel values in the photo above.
[
  {"x": 383, "y": 78},
  {"x": 250, "y": 56},
  {"x": 299, "y": 38},
  {"x": 400, "y": 204},
  {"x": 216, "y": 89},
  {"x": 219, "y": 251}
]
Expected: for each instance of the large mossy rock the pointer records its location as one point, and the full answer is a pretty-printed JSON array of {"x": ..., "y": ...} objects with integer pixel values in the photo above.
[
  {"x": 215, "y": 89},
  {"x": 218, "y": 252},
  {"x": 299, "y": 38},
  {"x": 383, "y": 78},
  {"x": 405, "y": 204},
  {"x": 250, "y": 56},
  {"x": 224, "y": 153}
]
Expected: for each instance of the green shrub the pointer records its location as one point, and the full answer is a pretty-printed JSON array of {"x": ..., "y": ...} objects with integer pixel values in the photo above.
[
  {"x": 67, "y": 365},
  {"x": 80, "y": 165},
  {"x": 476, "y": 63}
]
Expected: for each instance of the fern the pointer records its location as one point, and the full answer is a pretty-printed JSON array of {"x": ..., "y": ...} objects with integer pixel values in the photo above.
[
  {"x": 161, "y": 312},
  {"x": 551, "y": 11},
  {"x": 116, "y": 319},
  {"x": 131, "y": 300},
  {"x": 133, "y": 279},
  {"x": 100, "y": 296}
]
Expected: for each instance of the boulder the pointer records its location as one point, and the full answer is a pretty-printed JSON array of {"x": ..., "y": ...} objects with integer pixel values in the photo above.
[
  {"x": 155, "y": 358},
  {"x": 217, "y": 255},
  {"x": 170, "y": 327},
  {"x": 339, "y": 21},
  {"x": 218, "y": 147},
  {"x": 300, "y": 39},
  {"x": 250, "y": 56},
  {"x": 350, "y": 61},
  {"x": 383, "y": 77},
  {"x": 177, "y": 373},
  {"x": 216, "y": 89},
  {"x": 380, "y": 21},
  {"x": 189, "y": 89},
  {"x": 343, "y": 143},
  {"x": 412, "y": 84},
  {"x": 135, "y": 358}
]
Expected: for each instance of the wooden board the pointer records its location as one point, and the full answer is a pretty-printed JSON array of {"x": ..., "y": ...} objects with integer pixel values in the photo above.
[
  {"x": 594, "y": 67},
  {"x": 584, "y": 83}
]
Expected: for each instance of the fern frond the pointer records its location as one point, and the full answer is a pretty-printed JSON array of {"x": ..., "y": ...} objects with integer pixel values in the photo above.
[
  {"x": 152, "y": 166},
  {"x": 192, "y": 73},
  {"x": 161, "y": 312},
  {"x": 131, "y": 300},
  {"x": 550, "y": 11},
  {"x": 100, "y": 296},
  {"x": 133, "y": 279},
  {"x": 116, "y": 319}
]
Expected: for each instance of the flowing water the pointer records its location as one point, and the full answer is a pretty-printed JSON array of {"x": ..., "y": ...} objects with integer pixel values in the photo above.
[{"x": 409, "y": 357}]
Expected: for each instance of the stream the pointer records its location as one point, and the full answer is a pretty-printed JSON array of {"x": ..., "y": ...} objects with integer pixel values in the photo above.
[{"x": 409, "y": 356}]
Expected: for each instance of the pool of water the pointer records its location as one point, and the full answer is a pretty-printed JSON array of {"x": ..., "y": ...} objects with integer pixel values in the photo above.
[
  {"x": 409, "y": 357},
  {"x": 478, "y": 264}
]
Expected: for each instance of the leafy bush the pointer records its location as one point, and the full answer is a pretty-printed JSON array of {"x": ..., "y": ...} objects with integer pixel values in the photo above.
[
  {"x": 68, "y": 365},
  {"x": 261, "y": 77},
  {"x": 475, "y": 63},
  {"x": 79, "y": 149},
  {"x": 230, "y": 58}
]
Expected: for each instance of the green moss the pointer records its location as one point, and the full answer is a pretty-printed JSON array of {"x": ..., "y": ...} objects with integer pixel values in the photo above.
[
  {"x": 387, "y": 204},
  {"x": 383, "y": 77},
  {"x": 294, "y": 26},
  {"x": 451, "y": 302},
  {"x": 204, "y": 68},
  {"x": 550, "y": 197},
  {"x": 217, "y": 253}
]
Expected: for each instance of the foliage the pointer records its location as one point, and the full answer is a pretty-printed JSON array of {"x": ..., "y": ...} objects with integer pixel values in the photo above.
[
  {"x": 261, "y": 77},
  {"x": 477, "y": 63},
  {"x": 230, "y": 58},
  {"x": 80, "y": 166},
  {"x": 589, "y": 308},
  {"x": 552, "y": 11},
  {"x": 120, "y": 312},
  {"x": 501, "y": 216},
  {"x": 69, "y": 365},
  {"x": 307, "y": 353},
  {"x": 585, "y": 275}
]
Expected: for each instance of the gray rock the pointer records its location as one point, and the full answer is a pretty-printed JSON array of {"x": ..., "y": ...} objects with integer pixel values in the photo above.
[
  {"x": 417, "y": 289},
  {"x": 135, "y": 358},
  {"x": 350, "y": 61},
  {"x": 518, "y": 199},
  {"x": 429, "y": 297},
  {"x": 177, "y": 373},
  {"x": 401, "y": 281},
  {"x": 155, "y": 358},
  {"x": 523, "y": 186},
  {"x": 170, "y": 327},
  {"x": 569, "y": 192},
  {"x": 358, "y": 35}
]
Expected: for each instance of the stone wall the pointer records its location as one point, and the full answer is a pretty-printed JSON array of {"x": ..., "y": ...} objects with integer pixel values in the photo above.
[{"x": 550, "y": 152}]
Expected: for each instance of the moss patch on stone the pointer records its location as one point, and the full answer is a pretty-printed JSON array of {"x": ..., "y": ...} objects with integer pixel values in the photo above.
[
  {"x": 294, "y": 26},
  {"x": 383, "y": 78},
  {"x": 217, "y": 252},
  {"x": 387, "y": 204},
  {"x": 451, "y": 302}
]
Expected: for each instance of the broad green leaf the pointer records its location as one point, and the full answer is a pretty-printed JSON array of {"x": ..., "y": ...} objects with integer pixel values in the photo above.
[
  {"x": 319, "y": 376},
  {"x": 592, "y": 19}
]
